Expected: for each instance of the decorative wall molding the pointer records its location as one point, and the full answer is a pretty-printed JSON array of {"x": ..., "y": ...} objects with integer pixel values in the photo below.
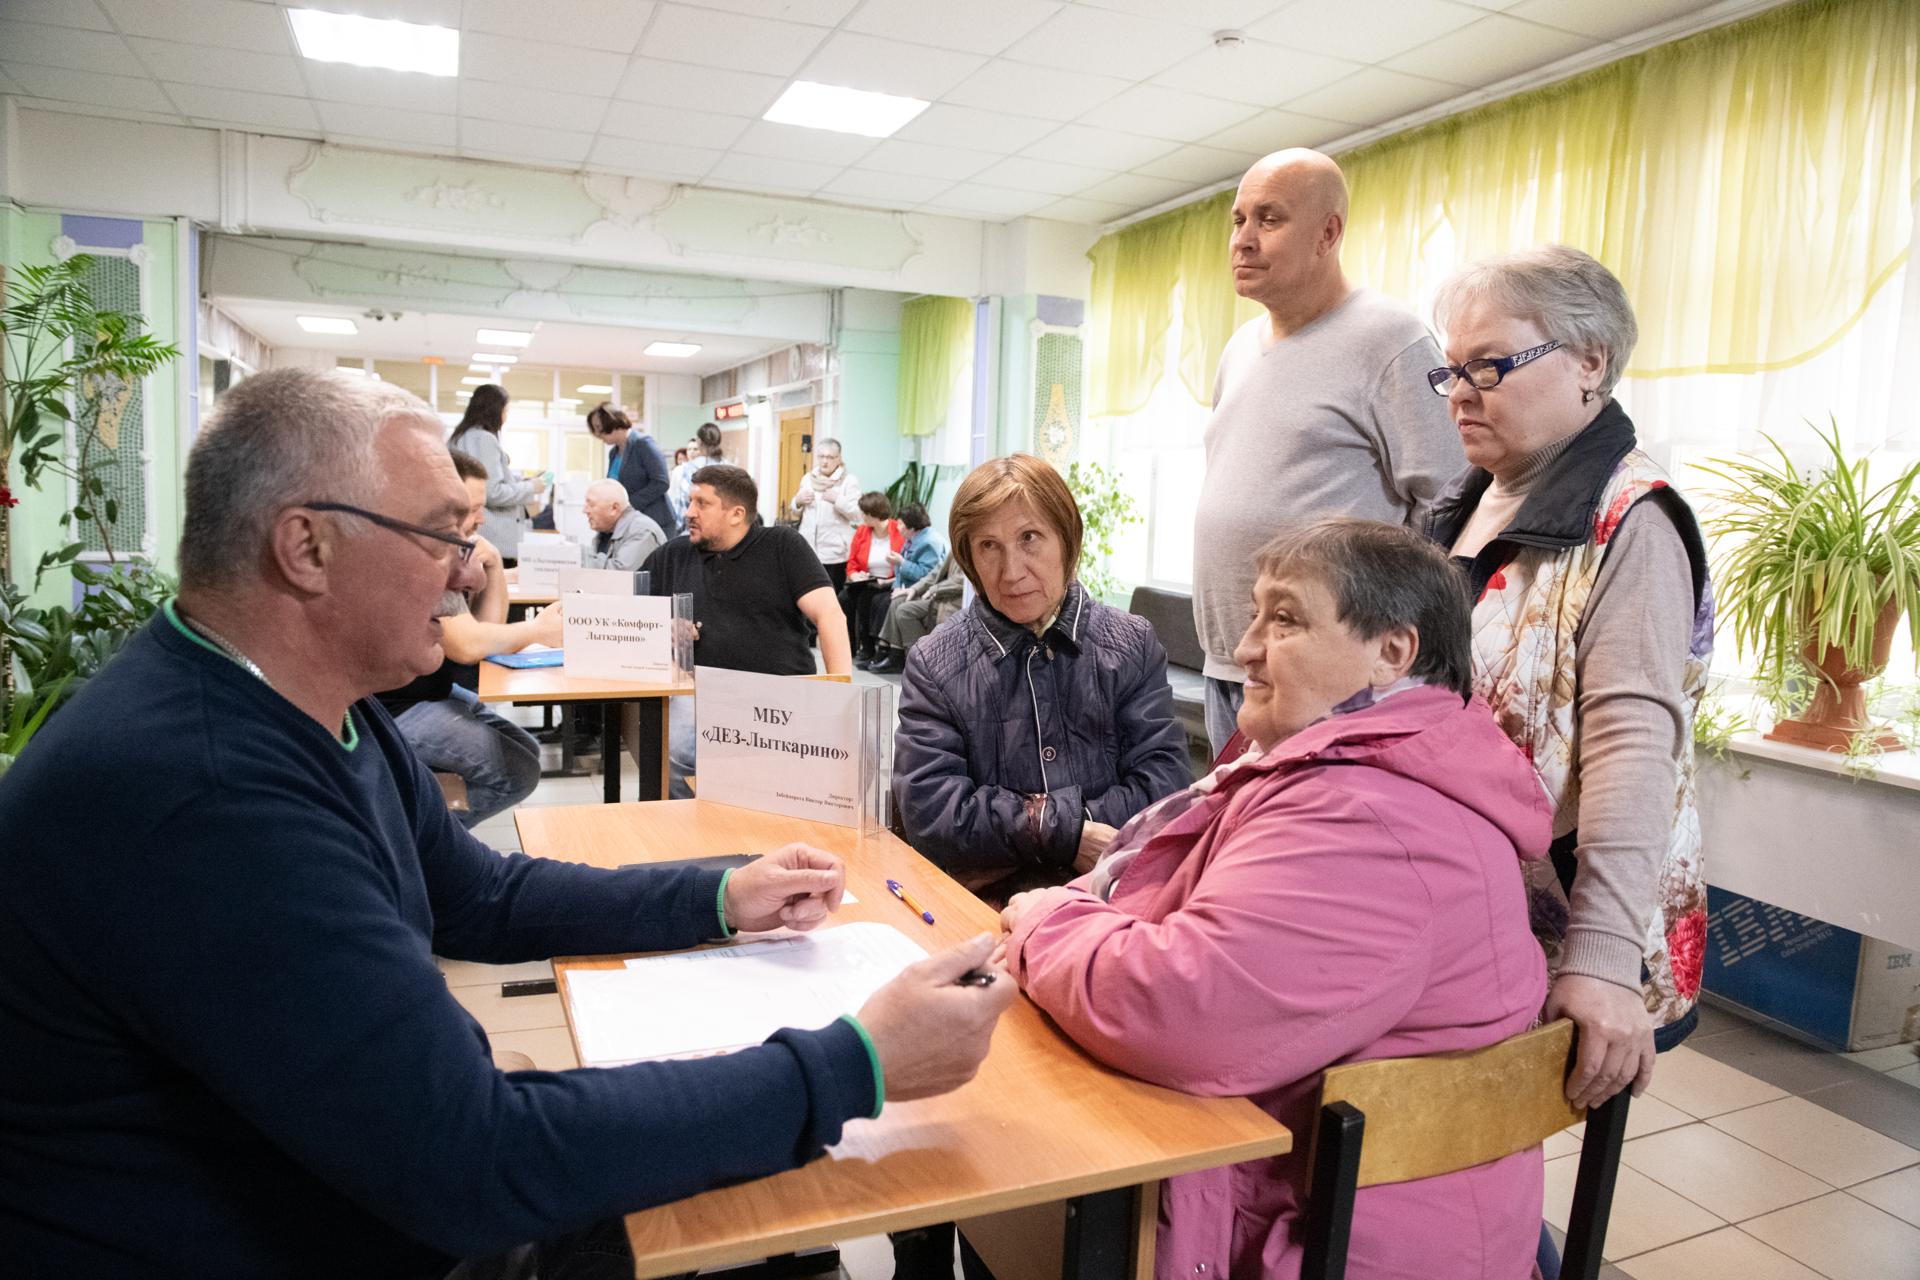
[
  {"x": 736, "y": 225},
  {"x": 436, "y": 193}
]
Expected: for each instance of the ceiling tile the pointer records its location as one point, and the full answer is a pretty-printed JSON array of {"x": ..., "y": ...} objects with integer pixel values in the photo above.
[
  {"x": 677, "y": 126},
  {"x": 970, "y": 200},
  {"x": 60, "y": 13},
  {"x": 791, "y": 142},
  {"x": 1091, "y": 212},
  {"x": 227, "y": 24},
  {"x": 497, "y": 137},
  {"x": 1048, "y": 92},
  {"x": 1605, "y": 19},
  {"x": 513, "y": 60},
  {"x": 1210, "y": 14},
  {"x": 636, "y": 156},
  {"x": 681, "y": 84},
  {"x": 1489, "y": 51},
  {"x": 1198, "y": 165},
  {"x": 1167, "y": 113},
  {"x": 373, "y": 87},
  {"x": 987, "y": 26},
  {"x": 1136, "y": 190},
  {"x": 97, "y": 51},
  {"x": 1100, "y": 148},
  {"x": 1119, "y": 43},
  {"x": 1273, "y": 130},
  {"x": 390, "y": 126},
  {"x": 953, "y": 126},
  {"x": 223, "y": 68},
  {"x": 821, "y": 13},
  {"x": 888, "y": 66},
  {"x": 1373, "y": 95},
  {"x": 63, "y": 84},
  {"x": 591, "y": 24},
  {"x": 268, "y": 111},
  {"x": 92, "y": 109},
  {"x": 519, "y": 104},
  {"x": 683, "y": 34},
  {"x": 1022, "y": 174},
  {"x": 1258, "y": 73},
  {"x": 898, "y": 190},
  {"x": 433, "y": 13},
  {"x": 1391, "y": 26},
  {"x": 924, "y": 160},
  {"x": 762, "y": 173},
  {"x": 370, "y": 143}
]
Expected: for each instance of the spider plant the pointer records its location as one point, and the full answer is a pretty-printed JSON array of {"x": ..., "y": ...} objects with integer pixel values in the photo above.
[{"x": 1815, "y": 555}]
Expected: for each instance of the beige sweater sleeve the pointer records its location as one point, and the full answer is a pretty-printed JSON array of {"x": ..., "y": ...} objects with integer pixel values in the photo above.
[{"x": 1630, "y": 662}]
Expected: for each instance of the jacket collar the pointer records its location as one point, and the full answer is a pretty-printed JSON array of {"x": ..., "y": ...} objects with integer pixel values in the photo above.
[
  {"x": 1559, "y": 508},
  {"x": 1000, "y": 637},
  {"x": 754, "y": 533}
]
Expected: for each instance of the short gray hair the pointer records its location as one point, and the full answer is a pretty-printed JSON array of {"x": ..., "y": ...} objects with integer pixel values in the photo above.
[
  {"x": 608, "y": 488},
  {"x": 1567, "y": 293},
  {"x": 828, "y": 442},
  {"x": 1383, "y": 577},
  {"x": 276, "y": 440}
]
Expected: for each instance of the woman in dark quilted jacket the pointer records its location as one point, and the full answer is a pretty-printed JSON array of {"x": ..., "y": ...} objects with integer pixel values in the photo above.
[{"x": 1037, "y": 720}]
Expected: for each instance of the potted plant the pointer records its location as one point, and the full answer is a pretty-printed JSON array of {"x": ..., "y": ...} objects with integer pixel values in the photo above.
[
  {"x": 1105, "y": 509},
  {"x": 1820, "y": 569}
]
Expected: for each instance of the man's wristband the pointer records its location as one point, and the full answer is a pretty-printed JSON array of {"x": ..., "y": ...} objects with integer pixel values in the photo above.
[{"x": 720, "y": 904}]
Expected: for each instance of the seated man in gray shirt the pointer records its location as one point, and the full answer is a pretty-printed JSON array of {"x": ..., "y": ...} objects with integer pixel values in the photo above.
[{"x": 624, "y": 537}]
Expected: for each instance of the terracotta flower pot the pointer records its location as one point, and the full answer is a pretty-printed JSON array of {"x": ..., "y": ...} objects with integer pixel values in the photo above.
[{"x": 1838, "y": 713}]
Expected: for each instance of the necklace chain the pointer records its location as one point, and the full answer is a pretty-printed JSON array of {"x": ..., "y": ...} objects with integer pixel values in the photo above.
[{"x": 227, "y": 647}]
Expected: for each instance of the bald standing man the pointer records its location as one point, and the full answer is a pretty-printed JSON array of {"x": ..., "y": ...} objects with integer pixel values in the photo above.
[{"x": 1320, "y": 407}]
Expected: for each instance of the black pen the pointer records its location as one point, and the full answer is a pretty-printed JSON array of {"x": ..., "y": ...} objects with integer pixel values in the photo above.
[{"x": 974, "y": 978}]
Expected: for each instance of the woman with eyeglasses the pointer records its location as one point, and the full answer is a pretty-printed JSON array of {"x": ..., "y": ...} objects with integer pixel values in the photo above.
[
  {"x": 1592, "y": 628},
  {"x": 508, "y": 492}
]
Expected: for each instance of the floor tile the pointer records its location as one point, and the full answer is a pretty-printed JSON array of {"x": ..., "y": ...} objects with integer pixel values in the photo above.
[
  {"x": 1646, "y": 1114},
  {"x": 867, "y": 1258},
  {"x": 1720, "y": 1173},
  {"x": 1607, "y": 1270},
  {"x": 1843, "y": 1238},
  {"x": 465, "y": 973},
  {"x": 1906, "y": 1075},
  {"x": 1727, "y": 1254},
  {"x": 1897, "y": 1193},
  {"x": 1701, "y": 1086},
  {"x": 1887, "y": 1058},
  {"x": 1645, "y": 1214},
  {"x": 1828, "y": 1146},
  {"x": 510, "y": 1013},
  {"x": 1883, "y": 1104},
  {"x": 1767, "y": 1055},
  {"x": 1712, "y": 1020},
  {"x": 1564, "y": 1143},
  {"x": 551, "y": 1048}
]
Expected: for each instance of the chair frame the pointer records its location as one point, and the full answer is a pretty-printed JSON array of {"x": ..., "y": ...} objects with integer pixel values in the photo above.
[{"x": 1340, "y": 1132}]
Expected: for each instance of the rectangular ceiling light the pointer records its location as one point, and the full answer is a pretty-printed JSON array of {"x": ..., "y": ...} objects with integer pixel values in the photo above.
[
  {"x": 677, "y": 350},
  {"x": 376, "y": 42},
  {"x": 829, "y": 106},
  {"x": 327, "y": 324},
  {"x": 473, "y": 382},
  {"x": 493, "y": 358},
  {"x": 594, "y": 389},
  {"x": 503, "y": 337}
]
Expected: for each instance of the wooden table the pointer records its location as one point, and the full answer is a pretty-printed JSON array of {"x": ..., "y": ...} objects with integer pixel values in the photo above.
[
  {"x": 1041, "y": 1123},
  {"x": 517, "y": 594},
  {"x": 554, "y": 685}
]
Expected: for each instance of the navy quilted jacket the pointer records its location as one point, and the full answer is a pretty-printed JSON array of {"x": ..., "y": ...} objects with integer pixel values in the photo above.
[{"x": 1008, "y": 741}]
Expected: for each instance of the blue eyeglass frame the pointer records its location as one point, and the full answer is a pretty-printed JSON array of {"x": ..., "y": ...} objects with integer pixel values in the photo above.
[{"x": 1442, "y": 379}]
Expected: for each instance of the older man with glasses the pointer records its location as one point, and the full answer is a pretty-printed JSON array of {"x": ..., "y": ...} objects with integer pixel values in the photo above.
[{"x": 228, "y": 1048}]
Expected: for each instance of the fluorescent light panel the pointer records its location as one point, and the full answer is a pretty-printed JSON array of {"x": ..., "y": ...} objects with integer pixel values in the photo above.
[
  {"x": 473, "y": 382},
  {"x": 830, "y": 106},
  {"x": 595, "y": 389},
  {"x": 494, "y": 357},
  {"x": 503, "y": 337},
  {"x": 677, "y": 350},
  {"x": 386, "y": 43},
  {"x": 327, "y": 324}
]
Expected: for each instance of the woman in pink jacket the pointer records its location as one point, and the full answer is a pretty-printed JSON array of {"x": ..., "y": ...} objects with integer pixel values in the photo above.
[{"x": 1348, "y": 888}]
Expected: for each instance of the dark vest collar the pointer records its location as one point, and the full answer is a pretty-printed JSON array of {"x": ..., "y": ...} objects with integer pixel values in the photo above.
[
  {"x": 1001, "y": 637},
  {"x": 1559, "y": 509}
]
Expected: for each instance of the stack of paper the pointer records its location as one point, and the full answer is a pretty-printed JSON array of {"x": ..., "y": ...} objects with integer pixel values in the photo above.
[{"x": 701, "y": 1002}]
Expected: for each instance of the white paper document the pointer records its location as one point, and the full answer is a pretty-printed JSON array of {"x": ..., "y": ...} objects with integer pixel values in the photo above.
[{"x": 699, "y": 1002}]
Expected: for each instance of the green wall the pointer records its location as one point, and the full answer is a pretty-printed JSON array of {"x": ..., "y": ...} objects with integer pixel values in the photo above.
[{"x": 869, "y": 412}]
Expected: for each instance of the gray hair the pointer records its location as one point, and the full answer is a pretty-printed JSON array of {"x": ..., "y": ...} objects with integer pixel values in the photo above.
[
  {"x": 274, "y": 441},
  {"x": 607, "y": 488},
  {"x": 1567, "y": 293},
  {"x": 1383, "y": 577},
  {"x": 828, "y": 442}
]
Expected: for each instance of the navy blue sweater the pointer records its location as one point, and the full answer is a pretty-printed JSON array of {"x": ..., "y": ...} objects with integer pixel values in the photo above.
[{"x": 225, "y": 1048}]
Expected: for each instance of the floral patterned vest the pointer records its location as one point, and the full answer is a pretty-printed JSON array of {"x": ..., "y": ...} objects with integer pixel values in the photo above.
[{"x": 1524, "y": 627}]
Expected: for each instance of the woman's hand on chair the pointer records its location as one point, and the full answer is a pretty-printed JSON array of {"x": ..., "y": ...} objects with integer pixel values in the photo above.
[{"x": 1615, "y": 1045}]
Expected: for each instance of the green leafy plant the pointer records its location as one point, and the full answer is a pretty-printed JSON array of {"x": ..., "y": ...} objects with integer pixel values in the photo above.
[
  {"x": 1716, "y": 724},
  {"x": 1105, "y": 509},
  {"x": 916, "y": 484},
  {"x": 1815, "y": 555},
  {"x": 24, "y": 717}
]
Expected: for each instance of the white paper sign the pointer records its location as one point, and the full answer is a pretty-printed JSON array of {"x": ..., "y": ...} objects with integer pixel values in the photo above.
[
  {"x": 603, "y": 582},
  {"x": 542, "y": 558},
  {"x": 786, "y": 744},
  {"x": 618, "y": 637}
]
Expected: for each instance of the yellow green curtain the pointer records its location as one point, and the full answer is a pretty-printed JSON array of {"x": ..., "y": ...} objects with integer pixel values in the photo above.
[
  {"x": 936, "y": 347},
  {"x": 1752, "y": 187}
]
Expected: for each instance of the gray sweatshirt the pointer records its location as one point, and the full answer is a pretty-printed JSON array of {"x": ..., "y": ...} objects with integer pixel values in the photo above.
[
  {"x": 507, "y": 494},
  {"x": 1335, "y": 419}
]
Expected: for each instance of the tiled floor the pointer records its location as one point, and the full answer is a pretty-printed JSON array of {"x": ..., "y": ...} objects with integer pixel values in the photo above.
[{"x": 1752, "y": 1157}]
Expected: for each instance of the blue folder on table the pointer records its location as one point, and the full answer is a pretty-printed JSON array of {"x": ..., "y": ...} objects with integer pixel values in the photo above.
[{"x": 521, "y": 661}]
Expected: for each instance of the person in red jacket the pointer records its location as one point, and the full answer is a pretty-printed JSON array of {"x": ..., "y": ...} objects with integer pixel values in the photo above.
[{"x": 871, "y": 562}]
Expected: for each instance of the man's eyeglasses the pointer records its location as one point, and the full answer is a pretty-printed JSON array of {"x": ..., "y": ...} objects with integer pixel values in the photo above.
[
  {"x": 464, "y": 547},
  {"x": 1484, "y": 375}
]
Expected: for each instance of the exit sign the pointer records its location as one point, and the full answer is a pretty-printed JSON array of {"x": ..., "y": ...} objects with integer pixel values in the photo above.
[{"x": 726, "y": 411}]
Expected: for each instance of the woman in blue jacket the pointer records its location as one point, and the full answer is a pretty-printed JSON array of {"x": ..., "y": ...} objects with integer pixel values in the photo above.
[
  {"x": 1038, "y": 720},
  {"x": 637, "y": 464}
]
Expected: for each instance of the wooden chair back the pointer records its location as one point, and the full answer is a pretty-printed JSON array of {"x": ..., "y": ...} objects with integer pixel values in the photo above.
[{"x": 1398, "y": 1119}]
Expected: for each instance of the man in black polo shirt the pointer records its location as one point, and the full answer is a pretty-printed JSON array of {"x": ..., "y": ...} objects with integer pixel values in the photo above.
[{"x": 756, "y": 589}]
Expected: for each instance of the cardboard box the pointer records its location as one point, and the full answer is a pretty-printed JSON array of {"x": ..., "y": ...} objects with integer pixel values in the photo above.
[{"x": 1832, "y": 985}]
